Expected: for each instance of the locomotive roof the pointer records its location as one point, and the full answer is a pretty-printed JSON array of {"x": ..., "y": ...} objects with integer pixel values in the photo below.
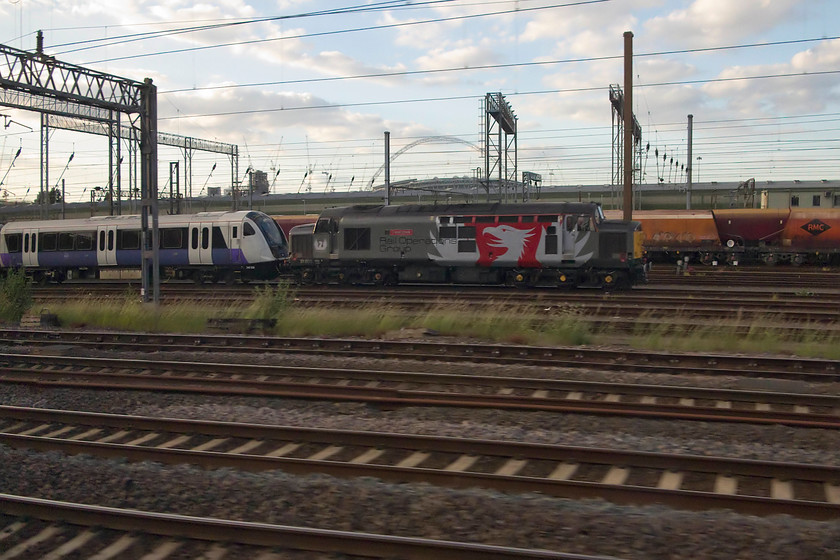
[{"x": 487, "y": 208}]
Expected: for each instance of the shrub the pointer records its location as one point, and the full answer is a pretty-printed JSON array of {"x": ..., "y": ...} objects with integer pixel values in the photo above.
[{"x": 15, "y": 296}]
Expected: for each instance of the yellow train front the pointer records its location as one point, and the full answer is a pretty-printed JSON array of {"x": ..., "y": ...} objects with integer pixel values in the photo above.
[{"x": 525, "y": 244}]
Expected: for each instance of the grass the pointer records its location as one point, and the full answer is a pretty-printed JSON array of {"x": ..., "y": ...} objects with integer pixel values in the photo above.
[
  {"x": 15, "y": 296},
  {"x": 501, "y": 324}
]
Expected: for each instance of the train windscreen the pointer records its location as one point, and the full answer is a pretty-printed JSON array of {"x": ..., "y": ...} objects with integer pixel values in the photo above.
[{"x": 273, "y": 234}]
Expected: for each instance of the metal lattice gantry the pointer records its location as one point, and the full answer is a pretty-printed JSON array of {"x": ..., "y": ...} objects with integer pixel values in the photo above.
[
  {"x": 37, "y": 82},
  {"x": 617, "y": 103},
  {"x": 500, "y": 144},
  {"x": 187, "y": 145}
]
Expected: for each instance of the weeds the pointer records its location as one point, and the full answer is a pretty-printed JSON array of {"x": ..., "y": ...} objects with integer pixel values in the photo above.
[
  {"x": 504, "y": 323},
  {"x": 15, "y": 296}
]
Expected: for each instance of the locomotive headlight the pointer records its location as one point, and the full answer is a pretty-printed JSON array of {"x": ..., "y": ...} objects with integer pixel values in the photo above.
[{"x": 562, "y": 277}]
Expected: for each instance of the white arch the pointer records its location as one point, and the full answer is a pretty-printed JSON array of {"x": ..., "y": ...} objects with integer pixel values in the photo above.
[{"x": 441, "y": 139}]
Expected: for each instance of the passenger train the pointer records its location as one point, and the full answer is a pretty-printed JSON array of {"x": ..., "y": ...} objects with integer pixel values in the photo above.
[
  {"x": 208, "y": 246},
  {"x": 524, "y": 244}
]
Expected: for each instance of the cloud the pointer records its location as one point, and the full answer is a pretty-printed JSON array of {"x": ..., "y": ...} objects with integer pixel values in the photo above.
[
  {"x": 720, "y": 21},
  {"x": 779, "y": 96}
]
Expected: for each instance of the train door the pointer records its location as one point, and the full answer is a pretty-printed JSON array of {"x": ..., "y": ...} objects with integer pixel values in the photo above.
[
  {"x": 234, "y": 238},
  {"x": 30, "y": 247},
  {"x": 570, "y": 233},
  {"x": 201, "y": 246},
  {"x": 106, "y": 245},
  {"x": 324, "y": 238}
]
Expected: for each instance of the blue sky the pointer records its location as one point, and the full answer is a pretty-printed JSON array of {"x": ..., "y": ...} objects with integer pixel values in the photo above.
[{"x": 307, "y": 98}]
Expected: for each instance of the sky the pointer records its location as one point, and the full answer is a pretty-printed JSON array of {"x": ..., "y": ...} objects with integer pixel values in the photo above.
[{"x": 307, "y": 89}]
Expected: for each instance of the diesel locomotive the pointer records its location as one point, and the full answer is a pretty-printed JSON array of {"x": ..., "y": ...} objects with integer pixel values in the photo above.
[{"x": 519, "y": 244}]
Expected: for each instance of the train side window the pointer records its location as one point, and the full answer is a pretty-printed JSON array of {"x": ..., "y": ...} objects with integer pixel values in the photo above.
[
  {"x": 547, "y": 219},
  {"x": 205, "y": 237},
  {"x": 172, "y": 238},
  {"x": 794, "y": 200},
  {"x": 485, "y": 220},
  {"x": 466, "y": 232},
  {"x": 235, "y": 232},
  {"x": 102, "y": 240},
  {"x": 49, "y": 241},
  {"x": 129, "y": 239},
  {"x": 817, "y": 200},
  {"x": 66, "y": 241},
  {"x": 26, "y": 243},
  {"x": 551, "y": 244},
  {"x": 357, "y": 239},
  {"x": 509, "y": 219},
  {"x": 219, "y": 239},
  {"x": 466, "y": 246},
  {"x": 84, "y": 241},
  {"x": 445, "y": 220},
  {"x": 448, "y": 232},
  {"x": 34, "y": 242},
  {"x": 194, "y": 238},
  {"x": 248, "y": 229},
  {"x": 836, "y": 200},
  {"x": 571, "y": 223},
  {"x": 110, "y": 240},
  {"x": 13, "y": 242},
  {"x": 463, "y": 219},
  {"x": 527, "y": 219}
]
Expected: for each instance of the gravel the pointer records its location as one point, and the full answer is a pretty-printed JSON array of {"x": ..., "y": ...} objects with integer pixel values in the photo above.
[{"x": 526, "y": 520}]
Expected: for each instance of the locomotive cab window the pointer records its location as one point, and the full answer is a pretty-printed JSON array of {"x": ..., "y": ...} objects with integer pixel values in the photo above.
[
  {"x": 248, "y": 229},
  {"x": 357, "y": 239}
]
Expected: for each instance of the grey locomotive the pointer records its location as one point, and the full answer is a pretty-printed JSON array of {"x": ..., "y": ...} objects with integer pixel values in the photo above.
[{"x": 521, "y": 244}]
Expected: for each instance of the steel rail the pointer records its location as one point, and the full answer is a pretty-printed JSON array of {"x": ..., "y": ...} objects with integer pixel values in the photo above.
[
  {"x": 268, "y": 535},
  {"x": 776, "y": 367},
  {"x": 503, "y": 453},
  {"x": 52, "y": 371}
]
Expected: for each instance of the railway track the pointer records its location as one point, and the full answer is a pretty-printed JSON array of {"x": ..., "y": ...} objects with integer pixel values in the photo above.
[
  {"x": 781, "y": 306},
  {"x": 680, "y": 481},
  {"x": 787, "y": 368},
  {"x": 391, "y": 389},
  {"x": 54, "y": 529}
]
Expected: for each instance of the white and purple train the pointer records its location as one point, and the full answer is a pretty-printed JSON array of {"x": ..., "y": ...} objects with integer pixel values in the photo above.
[{"x": 208, "y": 246}]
